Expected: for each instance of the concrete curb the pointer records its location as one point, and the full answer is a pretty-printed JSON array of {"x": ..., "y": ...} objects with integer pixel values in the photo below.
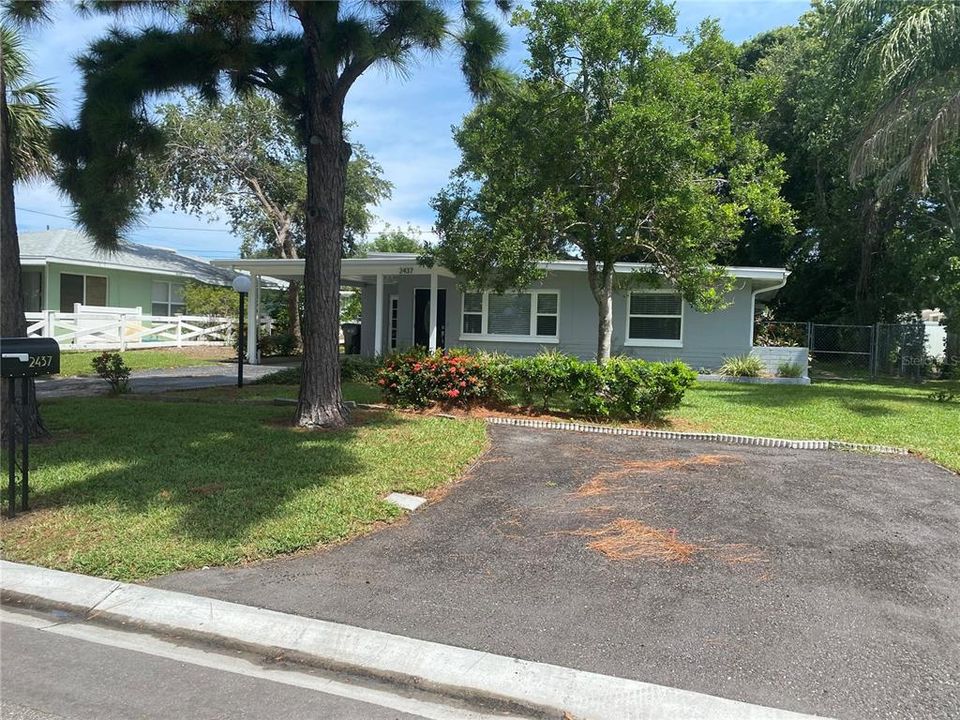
[
  {"x": 704, "y": 437},
  {"x": 545, "y": 689}
]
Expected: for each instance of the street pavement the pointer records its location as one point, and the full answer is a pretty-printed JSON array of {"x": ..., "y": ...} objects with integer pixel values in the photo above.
[
  {"x": 107, "y": 674},
  {"x": 820, "y": 582},
  {"x": 155, "y": 381}
]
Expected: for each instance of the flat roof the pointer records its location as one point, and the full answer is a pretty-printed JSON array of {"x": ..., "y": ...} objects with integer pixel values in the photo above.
[{"x": 359, "y": 270}]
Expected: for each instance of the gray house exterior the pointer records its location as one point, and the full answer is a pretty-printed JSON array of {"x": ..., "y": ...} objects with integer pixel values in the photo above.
[{"x": 558, "y": 312}]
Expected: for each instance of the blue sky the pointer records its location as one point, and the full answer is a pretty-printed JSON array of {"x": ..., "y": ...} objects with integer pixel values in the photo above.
[{"x": 404, "y": 122}]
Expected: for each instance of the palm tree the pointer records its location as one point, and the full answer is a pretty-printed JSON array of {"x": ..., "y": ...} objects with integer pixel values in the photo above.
[
  {"x": 308, "y": 55},
  {"x": 913, "y": 58},
  {"x": 26, "y": 106}
]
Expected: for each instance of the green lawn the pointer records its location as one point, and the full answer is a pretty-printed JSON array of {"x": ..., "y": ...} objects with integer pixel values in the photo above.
[
  {"x": 355, "y": 391},
  {"x": 131, "y": 489},
  {"x": 78, "y": 363},
  {"x": 897, "y": 414}
]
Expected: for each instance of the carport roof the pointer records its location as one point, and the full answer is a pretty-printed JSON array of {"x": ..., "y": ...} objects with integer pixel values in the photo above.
[{"x": 361, "y": 270}]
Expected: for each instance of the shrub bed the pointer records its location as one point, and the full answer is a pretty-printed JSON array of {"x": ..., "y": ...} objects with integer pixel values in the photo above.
[
  {"x": 622, "y": 388},
  {"x": 416, "y": 378}
]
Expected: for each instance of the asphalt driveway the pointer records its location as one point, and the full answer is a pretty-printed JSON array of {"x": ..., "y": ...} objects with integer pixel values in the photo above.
[
  {"x": 820, "y": 582},
  {"x": 156, "y": 381}
]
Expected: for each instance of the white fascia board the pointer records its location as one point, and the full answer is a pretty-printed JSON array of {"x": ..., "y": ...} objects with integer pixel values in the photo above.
[
  {"x": 350, "y": 268},
  {"x": 751, "y": 273},
  {"x": 113, "y": 266}
]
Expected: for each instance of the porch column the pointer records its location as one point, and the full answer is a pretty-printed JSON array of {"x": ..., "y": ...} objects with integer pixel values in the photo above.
[
  {"x": 253, "y": 316},
  {"x": 378, "y": 328},
  {"x": 433, "y": 311}
]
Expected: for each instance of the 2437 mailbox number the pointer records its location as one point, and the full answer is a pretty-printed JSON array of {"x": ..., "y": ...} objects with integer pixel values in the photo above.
[{"x": 41, "y": 361}]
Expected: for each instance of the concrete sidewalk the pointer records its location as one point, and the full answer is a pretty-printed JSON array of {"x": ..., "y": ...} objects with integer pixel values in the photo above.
[
  {"x": 156, "y": 381},
  {"x": 515, "y": 685}
]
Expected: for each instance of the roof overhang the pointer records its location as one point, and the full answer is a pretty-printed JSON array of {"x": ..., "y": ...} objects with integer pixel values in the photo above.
[
  {"x": 363, "y": 270},
  {"x": 37, "y": 261},
  {"x": 353, "y": 271}
]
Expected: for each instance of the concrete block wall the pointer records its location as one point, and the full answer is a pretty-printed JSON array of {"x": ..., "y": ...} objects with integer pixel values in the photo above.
[{"x": 773, "y": 357}]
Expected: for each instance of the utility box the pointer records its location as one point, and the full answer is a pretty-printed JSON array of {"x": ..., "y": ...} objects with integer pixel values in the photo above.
[{"x": 29, "y": 357}]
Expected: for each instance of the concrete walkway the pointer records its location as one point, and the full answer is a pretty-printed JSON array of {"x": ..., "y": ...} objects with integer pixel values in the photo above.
[{"x": 156, "y": 381}]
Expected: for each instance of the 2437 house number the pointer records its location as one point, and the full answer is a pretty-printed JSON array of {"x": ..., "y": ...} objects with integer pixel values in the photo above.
[{"x": 41, "y": 361}]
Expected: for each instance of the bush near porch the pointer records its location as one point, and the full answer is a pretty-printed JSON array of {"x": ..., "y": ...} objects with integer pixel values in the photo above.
[{"x": 622, "y": 388}]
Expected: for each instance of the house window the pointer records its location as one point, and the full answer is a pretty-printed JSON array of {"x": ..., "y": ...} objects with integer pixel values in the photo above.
[
  {"x": 473, "y": 313},
  {"x": 655, "y": 318},
  {"x": 32, "y": 290},
  {"x": 394, "y": 316},
  {"x": 511, "y": 317},
  {"x": 83, "y": 290},
  {"x": 167, "y": 299}
]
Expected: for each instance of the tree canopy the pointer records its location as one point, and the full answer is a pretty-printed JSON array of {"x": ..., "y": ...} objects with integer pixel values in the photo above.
[
  {"x": 245, "y": 158},
  {"x": 611, "y": 148},
  {"x": 864, "y": 253},
  {"x": 308, "y": 55}
]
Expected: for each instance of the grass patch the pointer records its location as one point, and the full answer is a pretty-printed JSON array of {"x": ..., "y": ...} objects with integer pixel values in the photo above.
[
  {"x": 355, "y": 391},
  {"x": 78, "y": 363},
  {"x": 130, "y": 489},
  {"x": 891, "y": 413}
]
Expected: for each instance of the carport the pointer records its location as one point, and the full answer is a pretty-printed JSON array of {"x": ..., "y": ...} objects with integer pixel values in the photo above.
[{"x": 378, "y": 272}]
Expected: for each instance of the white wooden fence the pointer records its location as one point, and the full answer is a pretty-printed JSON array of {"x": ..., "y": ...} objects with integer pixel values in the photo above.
[{"x": 95, "y": 328}]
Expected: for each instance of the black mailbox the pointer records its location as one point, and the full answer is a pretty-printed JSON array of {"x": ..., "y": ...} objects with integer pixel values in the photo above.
[{"x": 28, "y": 357}]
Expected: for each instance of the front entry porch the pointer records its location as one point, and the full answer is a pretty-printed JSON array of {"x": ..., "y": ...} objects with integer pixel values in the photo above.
[{"x": 403, "y": 303}]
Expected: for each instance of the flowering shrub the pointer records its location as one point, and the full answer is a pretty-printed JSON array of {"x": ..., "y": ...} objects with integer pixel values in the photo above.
[
  {"x": 111, "y": 367},
  {"x": 623, "y": 388},
  {"x": 419, "y": 379}
]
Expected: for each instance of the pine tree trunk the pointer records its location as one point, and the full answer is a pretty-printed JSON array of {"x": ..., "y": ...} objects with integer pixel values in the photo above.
[
  {"x": 13, "y": 323},
  {"x": 601, "y": 285},
  {"x": 320, "y": 403}
]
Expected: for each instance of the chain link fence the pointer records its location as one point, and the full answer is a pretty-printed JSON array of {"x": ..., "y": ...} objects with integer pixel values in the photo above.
[{"x": 854, "y": 351}]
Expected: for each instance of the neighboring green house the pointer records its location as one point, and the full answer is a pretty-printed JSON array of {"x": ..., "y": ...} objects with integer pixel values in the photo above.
[{"x": 63, "y": 268}]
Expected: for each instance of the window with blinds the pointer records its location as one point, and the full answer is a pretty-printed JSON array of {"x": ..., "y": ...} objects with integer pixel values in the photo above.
[
  {"x": 513, "y": 316},
  {"x": 655, "y": 318}
]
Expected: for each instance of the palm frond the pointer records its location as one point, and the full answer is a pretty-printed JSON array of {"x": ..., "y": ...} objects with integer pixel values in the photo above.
[
  {"x": 943, "y": 128},
  {"x": 30, "y": 106},
  {"x": 903, "y": 136},
  {"x": 913, "y": 57},
  {"x": 30, "y": 111}
]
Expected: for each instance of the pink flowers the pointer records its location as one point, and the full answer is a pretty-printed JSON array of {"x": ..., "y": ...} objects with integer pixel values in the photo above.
[{"x": 453, "y": 393}]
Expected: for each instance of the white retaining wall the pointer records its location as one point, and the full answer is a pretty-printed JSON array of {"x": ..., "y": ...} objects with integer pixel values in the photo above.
[{"x": 773, "y": 357}]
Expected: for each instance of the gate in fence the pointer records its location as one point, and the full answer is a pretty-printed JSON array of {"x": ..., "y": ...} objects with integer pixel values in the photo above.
[{"x": 852, "y": 351}]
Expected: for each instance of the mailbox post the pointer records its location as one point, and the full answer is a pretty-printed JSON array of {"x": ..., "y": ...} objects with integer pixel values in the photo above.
[{"x": 23, "y": 358}]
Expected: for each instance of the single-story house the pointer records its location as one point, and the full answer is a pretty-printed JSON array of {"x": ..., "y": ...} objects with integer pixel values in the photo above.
[
  {"x": 407, "y": 304},
  {"x": 63, "y": 268}
]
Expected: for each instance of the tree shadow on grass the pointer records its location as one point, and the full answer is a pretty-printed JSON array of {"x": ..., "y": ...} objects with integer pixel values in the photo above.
[{"x": 223, "y": 469}]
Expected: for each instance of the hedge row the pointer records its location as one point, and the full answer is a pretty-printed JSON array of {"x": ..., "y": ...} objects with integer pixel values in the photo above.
[{"x": 622, "y": 388}]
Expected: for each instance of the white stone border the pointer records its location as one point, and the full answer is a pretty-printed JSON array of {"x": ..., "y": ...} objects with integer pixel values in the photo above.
[{"x": 704, "y": 437}]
